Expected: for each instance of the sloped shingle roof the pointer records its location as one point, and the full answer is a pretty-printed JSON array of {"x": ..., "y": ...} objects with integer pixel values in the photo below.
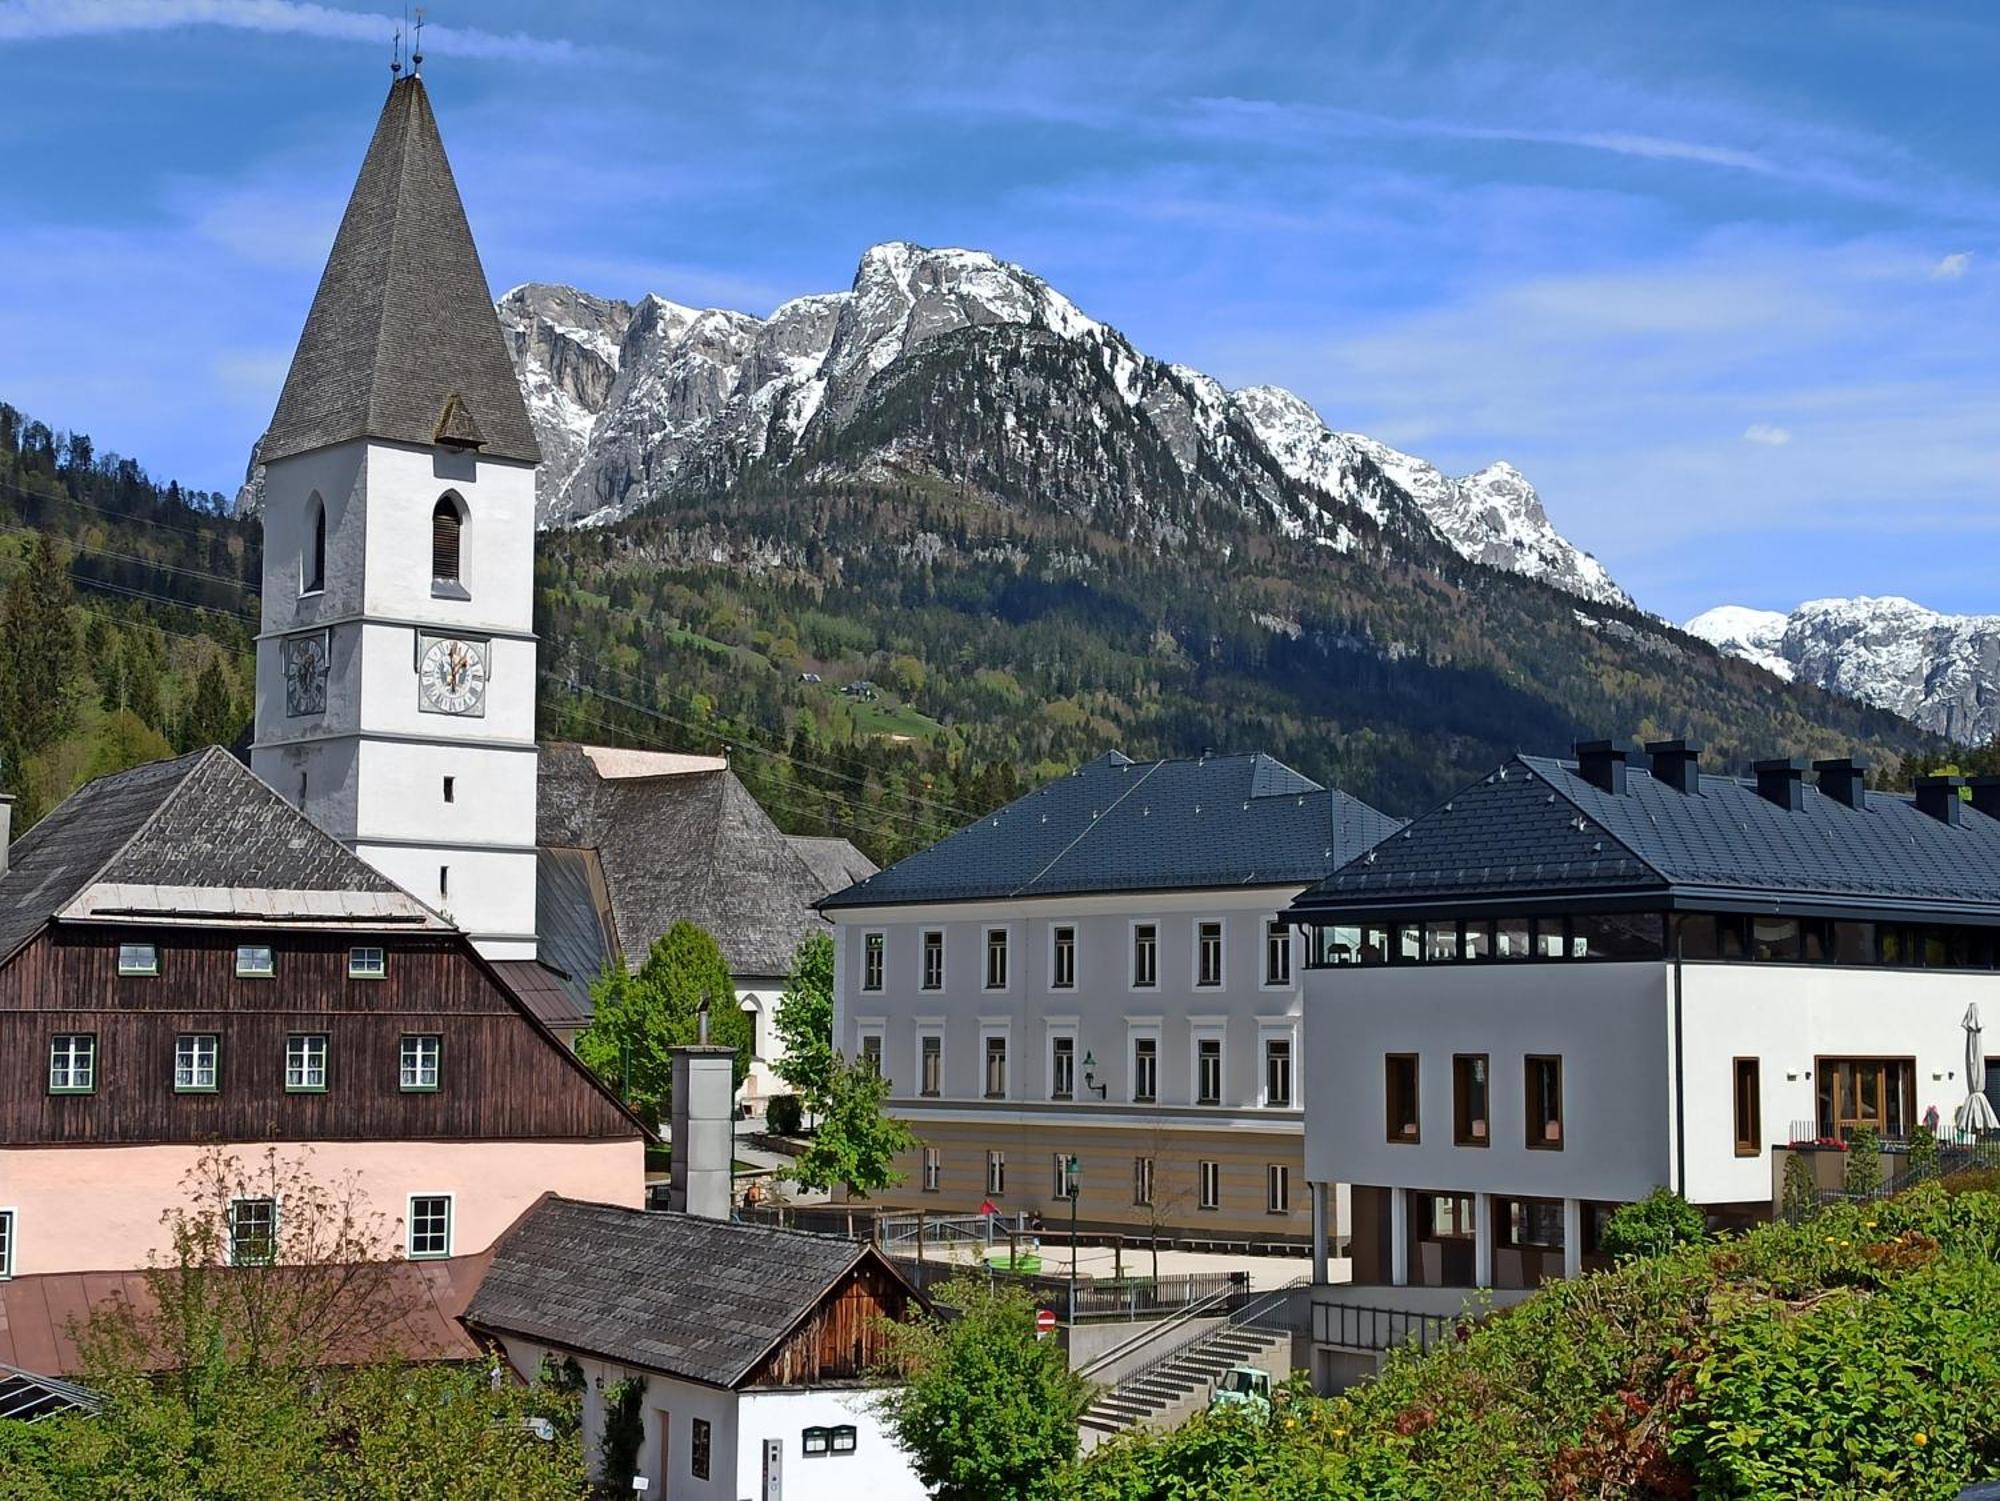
[
  {"x": 691, "y": 846},
  {"x": 1535, "y": 825},
  {"x": 1115, "y": 824},
  {"x": 402, "y": 326},
  {"x": 691, "y": 1297},
  {"x": 200, "y": 821}
]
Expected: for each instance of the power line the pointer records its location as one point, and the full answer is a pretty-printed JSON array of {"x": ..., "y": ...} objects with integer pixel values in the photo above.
[
  {"x": 37, "y": 496},
  {"x": 78, "y": 545}
]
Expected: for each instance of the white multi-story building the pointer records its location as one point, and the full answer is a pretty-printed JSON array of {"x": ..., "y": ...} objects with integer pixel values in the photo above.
[
  {"x": 1576, "y": 982},
  {"x": 1099, "y": 971}
]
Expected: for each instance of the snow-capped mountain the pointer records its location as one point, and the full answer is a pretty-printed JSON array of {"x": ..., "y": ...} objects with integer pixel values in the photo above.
[
  {"x": 1942, "y": 671},
  {"x": 954, "y": 365}
]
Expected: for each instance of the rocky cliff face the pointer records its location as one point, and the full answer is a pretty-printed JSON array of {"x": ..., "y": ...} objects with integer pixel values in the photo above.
[
  {"x": 952, "y": 367},
  {"x": 1942, "y": 671}
]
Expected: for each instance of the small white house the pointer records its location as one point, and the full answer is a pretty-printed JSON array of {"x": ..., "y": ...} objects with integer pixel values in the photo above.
[{"x": 749, "y": 1348}]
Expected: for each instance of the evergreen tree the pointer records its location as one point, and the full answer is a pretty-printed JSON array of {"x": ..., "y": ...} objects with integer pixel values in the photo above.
[
  {"x": 38, "y": 650},
  {"x": 212, "y": 718}
]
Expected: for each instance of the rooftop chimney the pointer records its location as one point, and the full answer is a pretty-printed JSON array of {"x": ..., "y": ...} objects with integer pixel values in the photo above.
[
  {"x": 1845, "y": 780},
  {"x": 6, "y": 828},
  {"x": 1985, "y": 797},
  {"x": 1676, "y": 763},
  {"x": 1782, "y": 780},
  {"x": 1602, "y": 764},
  {"x": 1938, "y": 796},
  {"x": 704, "y": 1128}
]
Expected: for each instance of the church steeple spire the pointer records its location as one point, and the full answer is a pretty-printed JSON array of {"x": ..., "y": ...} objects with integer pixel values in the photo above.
[{"x": 402, "y": 342}]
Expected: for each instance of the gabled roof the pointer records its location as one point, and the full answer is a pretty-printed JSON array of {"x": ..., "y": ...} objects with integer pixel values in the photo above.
[
  {"x": 702, "y": 1299},
  {"x": 691, "y": 845},
  {"x": 835, "y": 863},
  {"x": 1536, "y": 827},
  {"x": 196, "y": 837},
  {"x": 573, "y": 926},
  {"x": 402, "y": 342},
  {"x": 1115, "y": 824}
]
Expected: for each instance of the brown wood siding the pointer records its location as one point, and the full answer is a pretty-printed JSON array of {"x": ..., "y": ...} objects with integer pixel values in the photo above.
[
  {"x": 499, "y": 1078},
  {"x": 843, "y": 1338}
]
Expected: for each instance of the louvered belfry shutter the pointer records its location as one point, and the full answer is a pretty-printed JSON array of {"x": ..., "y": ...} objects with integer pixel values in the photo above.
[{"x": 445, "y": 527}]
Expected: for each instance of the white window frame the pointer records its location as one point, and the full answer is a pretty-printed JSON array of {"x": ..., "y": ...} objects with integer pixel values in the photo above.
[
  {"x": 1144, "y": 1182},
  {"x": 70, "y": 1054},
  {"x": 877, "y": 1028},
  {"x": 1208, "y": 1185},
  {"x": 1055, "y": 1029},
  {"x": 249, "y": 971},
  {"x": 1005, "y": 933},
  {"x": 1221, "y": 979},
  {"x": 874, "y": 959},
  {"x": 360, "y": 966},
  {"x": 1268, "y": 1032},
  {"x": 277, "y": 1204},
  {"x": 1272, "y": 926},
  {"x": 991, "y": 1028},
  {"x": 933, "y": 1170},
  {"x": 1277, "y": 1188},
  {"x": 413, "y": 1083},
  {"x": 1213, "y": 1029},
  {"x": 924, "y": 958},
  {"x": 996, "y": 1173},
  {"x": 1132, "y": 955},
  {"x": 1061, "y": 1179},
  {"x": 325, "y": 1054},
  {"x": 410, "y": 1250},
  {"x": 10, "y": 1240},
  {"x": 1056, "y": 981},
  {"x": 930, "y": 1029},
  {"x": 148, "y": 965},
  {"x": 191, "y": 1084},
  {"x": 1137, "y": 1031}
]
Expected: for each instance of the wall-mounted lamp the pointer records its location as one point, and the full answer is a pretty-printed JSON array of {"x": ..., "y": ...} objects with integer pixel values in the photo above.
[{"x": 1090, "y": 1076}]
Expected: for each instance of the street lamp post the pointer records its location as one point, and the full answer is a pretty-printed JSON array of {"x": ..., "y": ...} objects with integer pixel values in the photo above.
[{"x": 1073, "y": 1170}]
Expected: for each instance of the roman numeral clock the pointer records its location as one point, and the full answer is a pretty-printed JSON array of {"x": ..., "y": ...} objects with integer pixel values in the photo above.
[{"x": 451, "y": 674}]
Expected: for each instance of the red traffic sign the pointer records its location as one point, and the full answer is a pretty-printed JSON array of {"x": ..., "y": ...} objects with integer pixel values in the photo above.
[{"x": 1045, "y": 1321}]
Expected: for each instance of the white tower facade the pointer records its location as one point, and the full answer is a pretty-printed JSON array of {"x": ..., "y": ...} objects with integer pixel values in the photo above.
[{"x": 396, "y": 664}]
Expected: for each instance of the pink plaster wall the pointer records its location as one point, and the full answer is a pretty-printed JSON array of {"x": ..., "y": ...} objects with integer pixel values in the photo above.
[{"x": 88, "y": 1209}]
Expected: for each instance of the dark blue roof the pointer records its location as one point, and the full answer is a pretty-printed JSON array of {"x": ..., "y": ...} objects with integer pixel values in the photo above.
[
  {"x": 1115, "y": 824},
  {"x": 1535, "y": 828}
]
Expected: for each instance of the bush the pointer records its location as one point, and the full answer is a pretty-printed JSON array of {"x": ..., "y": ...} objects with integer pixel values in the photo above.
[
  {"x": 1800, "y": 1200},
  {"x": 783, "y": 1115},
  {"x": 1863, "y": 1173},
  {"x": 1654, "y": 1225},
  {"x": 1925, "y": 1160}
]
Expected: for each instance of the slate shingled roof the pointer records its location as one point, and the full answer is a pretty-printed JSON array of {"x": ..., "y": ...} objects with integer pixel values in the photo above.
[
  {"x": 403, "y": 321},
  {"x": 689, "y": 845},
  {"x": 200, "y": 821},
  {"x": 1534, "y": 827},
  {"x": 702, "y": 1299},
  {"x": 1115, "y": 824}
]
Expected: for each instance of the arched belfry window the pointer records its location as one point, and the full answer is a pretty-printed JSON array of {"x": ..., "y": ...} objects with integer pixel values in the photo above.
[
  {"x": 447, "y": 531},
  {"x": 312, "y": 559}
]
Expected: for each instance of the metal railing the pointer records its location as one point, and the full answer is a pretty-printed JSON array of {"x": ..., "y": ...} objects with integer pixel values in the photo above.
[
  {"x": 1251, "y": 1314},
  {"x": 1362, "y": 1328},
  {"x": 1094, "y": 1298}
]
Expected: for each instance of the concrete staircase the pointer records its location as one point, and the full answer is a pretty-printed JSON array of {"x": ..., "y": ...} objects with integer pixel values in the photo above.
[{"x": 1165, "y": 1394}]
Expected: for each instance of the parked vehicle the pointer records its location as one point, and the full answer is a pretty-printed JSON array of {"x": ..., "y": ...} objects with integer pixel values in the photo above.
[{"x": 1243, "y": 1386}]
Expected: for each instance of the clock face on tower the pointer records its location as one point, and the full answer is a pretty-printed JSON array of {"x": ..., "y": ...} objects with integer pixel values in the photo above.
[
  {"x": 451, "y": 675},
  {"x": 305, "y": 659}
]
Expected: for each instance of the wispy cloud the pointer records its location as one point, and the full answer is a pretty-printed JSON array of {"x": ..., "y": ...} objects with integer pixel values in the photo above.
[
  {"x": 1953, "y": 266},
  {"x": 1767, "y": 434},
  {"x": 46, "y": 20}
]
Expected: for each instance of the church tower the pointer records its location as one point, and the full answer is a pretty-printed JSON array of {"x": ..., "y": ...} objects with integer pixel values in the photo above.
[{"x": 396, "y": 664}]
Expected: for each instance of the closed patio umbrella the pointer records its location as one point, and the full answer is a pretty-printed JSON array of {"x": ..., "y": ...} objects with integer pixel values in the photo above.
[{"x": 1976, "y": 1114}]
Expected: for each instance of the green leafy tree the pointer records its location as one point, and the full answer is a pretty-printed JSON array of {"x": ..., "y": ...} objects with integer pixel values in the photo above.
[
  {"x": 1926, "y": 1161},
  {"x": 639, "y": 1019},
  {"x": 857, "y": 1142},
  {"x": 986, "y": 1409},
  {"x": 804, "y": 1021},
  {"x": 1653, "y": 1225}
]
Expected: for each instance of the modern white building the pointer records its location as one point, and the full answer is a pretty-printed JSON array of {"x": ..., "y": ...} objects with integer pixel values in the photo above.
[
  {"x": 1099, "y": 971},
  {"x": 396, "y": 663},
  {"x": 1575, "y": 982}
]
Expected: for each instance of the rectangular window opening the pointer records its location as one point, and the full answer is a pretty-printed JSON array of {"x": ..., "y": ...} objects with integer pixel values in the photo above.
[
  {"x": 1469, "y": 1100},
  {"x": 420, "y": 1055},
  {"x": 1399, "y": 1082},
  {"x": 1208, "y": 1071},
  {"x": 1145, "y": 1070},
  {"x": 873, "y": 947},
  {"x": 255, "y": 961},
  {"x": 1062, "y": 1068},
  {"x": 1278, "y": 953},
  {"x": 195, "y": 1055},
  {"x": 1748, "y": 1097},
  {"x": 73, "y": 1063},
  {"x": 1062, "y": 961},
  {"x": 1145, "y": 956},
  {"x": 430, "y": 1226},
  {"x": 1544, "y": 1084},
  {"x": 138, "y": 959},
  {"x": 930, "y": 1069},
  {"x": 933, "y": 970},
  {"x": 1277, "y": 1188},
  {"x": 1208, "y": 1180},
  {"x": 1208, "y": 955},
  {"x": 996, "y": 959},
  {"x": 1278, "y": 1072},
  {"x": 367, "y": 963},
  {"x": 305, "y": 1062}
]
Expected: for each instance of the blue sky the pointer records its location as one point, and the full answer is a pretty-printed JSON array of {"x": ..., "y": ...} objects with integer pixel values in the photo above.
[{"x": 1720, "y": 278}]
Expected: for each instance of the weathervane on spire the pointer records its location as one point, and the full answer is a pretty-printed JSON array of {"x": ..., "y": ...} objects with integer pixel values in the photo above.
[
  {"x": 396, "y": 54},
  {"x": 417, "y": 51}
]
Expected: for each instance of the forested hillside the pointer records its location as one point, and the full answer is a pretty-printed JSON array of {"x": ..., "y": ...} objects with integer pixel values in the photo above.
[{"x": 889, "y": 660}]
